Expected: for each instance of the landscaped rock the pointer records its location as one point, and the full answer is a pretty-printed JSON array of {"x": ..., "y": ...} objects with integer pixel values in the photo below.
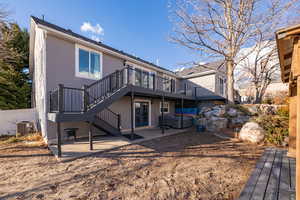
[
  {"x": 238, "y": 121},
  {"x": 216, "y": 111},
  {"x": 204, "y": 109},
  {"x": 253, "y": 109},
  {"x": 216, "y": 124},
  {"x": 252, "y": 132},
  {"x": 268, "y": 109},
  {"x": 232, "y": 112}
]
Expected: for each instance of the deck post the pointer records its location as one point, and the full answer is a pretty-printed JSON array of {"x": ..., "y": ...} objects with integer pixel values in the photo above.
[
  {"x": 154, "y": 82},
  {"x": 181, "y": 116},
  {"x": 119, "y": 122},
  {"x": 84, "y": 98},
  {"x": 90, "y": 136},
  {"x": 162, "y": 115},
  {"x": 60, "y": 98},
  {"x": 128, "y": 74},
  {"x": 58, "y": 140},
  {"x": 132, "y": 110},
  {"x": 117, "y": 79}
]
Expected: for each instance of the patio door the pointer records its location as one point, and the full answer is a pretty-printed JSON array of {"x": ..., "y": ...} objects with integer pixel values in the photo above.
[{"x": 141, "y": 114}]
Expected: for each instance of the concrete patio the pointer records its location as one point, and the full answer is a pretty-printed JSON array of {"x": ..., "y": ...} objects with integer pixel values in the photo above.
[{"x": 80, "y": 148}]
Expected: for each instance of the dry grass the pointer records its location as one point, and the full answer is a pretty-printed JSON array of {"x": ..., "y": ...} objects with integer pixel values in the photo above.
[
  {"x": 34, "y": 138},
  {"x": 179, "y": 167}
]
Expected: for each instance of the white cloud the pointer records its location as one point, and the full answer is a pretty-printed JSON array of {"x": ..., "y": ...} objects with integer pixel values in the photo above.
[
  {"x": 88, "y": 27},
  {"x": 96, "y": 38}
]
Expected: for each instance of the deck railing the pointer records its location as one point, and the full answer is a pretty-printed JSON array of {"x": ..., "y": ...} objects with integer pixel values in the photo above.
[{"x": 68, "y": 99}]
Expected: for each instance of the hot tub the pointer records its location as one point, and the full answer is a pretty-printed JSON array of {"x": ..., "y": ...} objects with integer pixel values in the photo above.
[{"x": 175, "y": 121}]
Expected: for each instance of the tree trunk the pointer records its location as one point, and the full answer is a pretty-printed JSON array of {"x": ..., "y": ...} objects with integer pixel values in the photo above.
[
  {"x": 257, "y": 96},
  {"x": 230, "y": 82}
]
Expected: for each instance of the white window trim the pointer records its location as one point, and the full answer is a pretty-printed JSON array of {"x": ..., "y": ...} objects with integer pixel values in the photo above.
[
  {"x": 79, "y": 74},
  {"x": 224, "y": 87},
  {"x": 149, "y": 114},
  {"x": 160, "y": 106}
]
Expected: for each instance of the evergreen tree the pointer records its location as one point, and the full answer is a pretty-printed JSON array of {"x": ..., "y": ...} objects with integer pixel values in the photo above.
[{"x": 15, "y": 84}]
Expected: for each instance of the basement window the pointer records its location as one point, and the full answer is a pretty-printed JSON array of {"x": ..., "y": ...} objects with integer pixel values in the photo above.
[{"x": 164, "y": 107}]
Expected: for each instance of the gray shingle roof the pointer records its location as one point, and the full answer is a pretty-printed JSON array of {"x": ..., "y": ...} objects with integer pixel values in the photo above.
[
  {"x": 69, "y": 32},
  {"x": 215, "y": 66}
]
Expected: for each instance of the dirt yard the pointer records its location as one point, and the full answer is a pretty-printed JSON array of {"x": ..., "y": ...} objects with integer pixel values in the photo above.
[{"x": 183, "y": 166}]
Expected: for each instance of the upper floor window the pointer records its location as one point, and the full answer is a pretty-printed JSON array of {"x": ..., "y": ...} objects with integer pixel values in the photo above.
[
  {"x": 139, "y": 76},
  {"x": 88, "y": 63},
  {"x": 168, "y": 84}
]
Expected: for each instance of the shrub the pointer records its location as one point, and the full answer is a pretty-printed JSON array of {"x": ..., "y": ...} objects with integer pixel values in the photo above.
[
  {"x": 276, "y": 127},
  {"x": 281, "y": 98},
  {"x": 267, "y": 100},
  {"x": 283, "y": 111}
]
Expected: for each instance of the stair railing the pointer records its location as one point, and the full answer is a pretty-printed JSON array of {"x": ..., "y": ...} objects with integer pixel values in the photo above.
[
  {"x": 104, "y": 87},
  {"x": 110, "y": 117}
]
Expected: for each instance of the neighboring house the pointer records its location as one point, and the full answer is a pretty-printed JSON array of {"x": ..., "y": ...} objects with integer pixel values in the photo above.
[
  {"x": 84, "y": 84},
  {"x": 276, "y": 88},
  {"x": 210, "y": 76},
  {"x": 253, "y": 56}
]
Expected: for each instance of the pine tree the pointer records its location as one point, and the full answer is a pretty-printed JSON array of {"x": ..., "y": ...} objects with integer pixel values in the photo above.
[{"x": 15, "y": 84}]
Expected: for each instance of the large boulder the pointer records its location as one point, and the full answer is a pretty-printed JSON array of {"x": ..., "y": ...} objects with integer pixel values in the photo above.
[
  {"x": 252, "y": 132},
  {"x": 267, "y": 109},
  {"x": 216, "y": 111},
  {"x": 216, "y": 124},
  {"x": 253, "y": 108},
  {"x": 238, "y": 121},
  {"x": 232, "y": 112}
]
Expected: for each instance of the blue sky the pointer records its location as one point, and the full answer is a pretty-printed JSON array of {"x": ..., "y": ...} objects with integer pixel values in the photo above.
[{"x": 139, "y": 27}]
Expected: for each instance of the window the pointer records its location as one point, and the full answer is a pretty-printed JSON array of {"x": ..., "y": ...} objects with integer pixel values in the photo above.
[
  {"x": 88, "y": 63},
  {"x": 168, "y": 84},
  {"x": 151, "y": 80},
  {"x": 141, "y": 77},
  {"x": 138, "y": 77},
  {"x": 164, "y": 107},
  {"x": 221, "y": 86},
  {"x": 145, "y": 79}
]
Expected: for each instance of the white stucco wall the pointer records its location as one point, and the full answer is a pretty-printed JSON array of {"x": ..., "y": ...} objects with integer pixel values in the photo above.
[
  {"x": 10, "y": 118},
  {"x": 40, "y": 80},
  {"x": 207, "y": 82}
]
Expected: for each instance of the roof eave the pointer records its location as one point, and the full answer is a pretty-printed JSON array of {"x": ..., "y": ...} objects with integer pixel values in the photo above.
[
  {"x": 65, "y": 35},
  {"x": 31, "y": 46},
  {"x": 200, "y": 74}
]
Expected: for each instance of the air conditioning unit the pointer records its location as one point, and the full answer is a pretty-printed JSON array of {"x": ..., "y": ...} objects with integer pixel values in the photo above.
[{"x": 25, "y": 127}]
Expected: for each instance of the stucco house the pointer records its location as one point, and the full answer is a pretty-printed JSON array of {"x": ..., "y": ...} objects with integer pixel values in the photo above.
[{"x": 84, "y": 84}]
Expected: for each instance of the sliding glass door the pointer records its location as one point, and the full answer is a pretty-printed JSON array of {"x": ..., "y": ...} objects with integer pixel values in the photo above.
[{"x": 141, "y": 114}]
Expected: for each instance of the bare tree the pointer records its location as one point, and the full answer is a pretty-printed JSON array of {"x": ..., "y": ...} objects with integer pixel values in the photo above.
[
  {"x": 222, "y": 28},
  {"x": 259, "y": 68}
]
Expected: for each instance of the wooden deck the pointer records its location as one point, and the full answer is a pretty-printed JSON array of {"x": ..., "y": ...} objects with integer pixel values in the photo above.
[{"x": 272, "y": 178}]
